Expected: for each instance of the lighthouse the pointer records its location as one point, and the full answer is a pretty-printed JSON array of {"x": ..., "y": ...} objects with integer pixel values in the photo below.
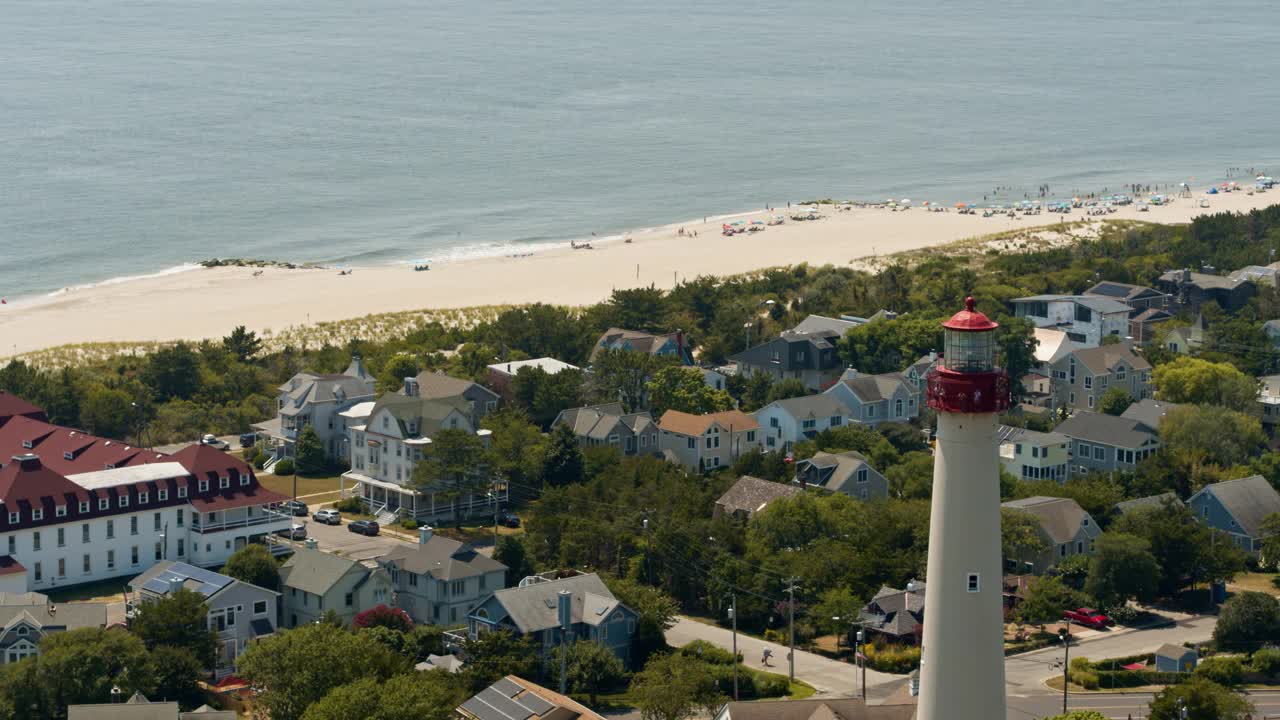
[{"x": 962, "y": 657}]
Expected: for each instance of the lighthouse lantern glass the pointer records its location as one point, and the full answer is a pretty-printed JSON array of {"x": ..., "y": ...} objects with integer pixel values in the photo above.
[{"x": 969, "y": 352}]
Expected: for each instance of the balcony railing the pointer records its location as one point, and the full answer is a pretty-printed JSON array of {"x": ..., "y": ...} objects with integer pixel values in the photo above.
[{"x": 267, "y": 516}]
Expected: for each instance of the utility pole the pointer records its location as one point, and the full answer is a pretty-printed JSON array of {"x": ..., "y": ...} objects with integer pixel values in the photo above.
[
  {"x": 495, "y": 514},
  {"x": 791, "y": 629},
  {"x": 648, "y": 562},
  {"x": 862, "y": 662},
  {"x": 733, "y": 613},
  {"x": 1065, "y": 636}
]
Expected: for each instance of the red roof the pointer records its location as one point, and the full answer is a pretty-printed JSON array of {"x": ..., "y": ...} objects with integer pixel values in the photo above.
[
  {"x": 9, "y": 566},
  {"x": 207, "y": 461},
  {"x": 236, "y": 497},
  {"x": 28, "y": 481},
  {"x": 11, "y": 405},
  {"x": 69, "y": 451},
  {"x": 969, "y": 319}
]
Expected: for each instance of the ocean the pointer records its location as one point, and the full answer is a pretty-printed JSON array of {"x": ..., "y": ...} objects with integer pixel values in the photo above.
[{"x": 138, "y": 136}]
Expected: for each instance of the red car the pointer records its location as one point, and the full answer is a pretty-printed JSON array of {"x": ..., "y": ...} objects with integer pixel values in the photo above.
[{"x": 1087, "y": 617}]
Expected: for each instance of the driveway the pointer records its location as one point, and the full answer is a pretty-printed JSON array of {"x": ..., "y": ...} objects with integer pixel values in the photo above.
[{"x": 829, "y": 677}]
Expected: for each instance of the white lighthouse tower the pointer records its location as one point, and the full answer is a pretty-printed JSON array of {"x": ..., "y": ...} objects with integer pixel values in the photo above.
[{"x": 962, "y": 658}]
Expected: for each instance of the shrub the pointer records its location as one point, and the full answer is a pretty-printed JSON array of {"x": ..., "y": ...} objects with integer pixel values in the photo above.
[
  {"x": 1124, "y": 614},
  {"x": 409, "y": 524},
  {"x": 898, "y": 660},
  {"x": 284, "y": 467},
  {"x": 1228, "y": 671},
  {"x": 769, "y": 685},
  {"x": 349, "y": 505},
  {"x": 1085, "y": 679},
  {"x": 708, "y": 653},
  {"x": 774, "y": 636},
  {"x": 1266, "y": 661},
  {"x": 260, "y": 462},
  {"x": 383, "y": 616}
]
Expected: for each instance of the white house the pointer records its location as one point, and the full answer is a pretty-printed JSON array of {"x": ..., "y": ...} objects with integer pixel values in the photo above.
[
  {"x": 873, "y": 399},
  {"x": 789, "y": 421},
  {"x": 317, "y": 400},
  {"x": 1086, "y": 319}
]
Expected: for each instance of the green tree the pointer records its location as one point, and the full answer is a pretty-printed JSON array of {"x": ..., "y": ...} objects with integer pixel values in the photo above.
[
  {"x": 638, "y": 309},
  {"x": 1184, "y": 549},
  {"x": 1080, "y": 715},
  {"x": 656, "y": 613},
  {"x": 298, "y": 667},
  {"x": 541, "y": 330},
  {"x": 254, "y": 564},
  {"x": 757, "y": 391},
  {"x": 1047, "y": 598},
  {"x": 589, "y": 667},
  {"x": 424, "y": 640},
  {"x": 785, "y": 389},
  {"x": 429, "y": 695},
  {"x": 515, "y": 447},
  {"x": 179, "y": 619},
  {"x": 175, "y": 672},
  {"x": 621, "y": 375},
  {"x": 913, "y": 477},
  {"x": 836, "y": 603},
  {"x": 108, "y": 412},
  {"x": 494, "y": 655},
  {"x": 398, "y": 367},
  {"x": 1212, "y": 435},
  {"x": 510, "y": 551},
  {"x": 1115, "y": 400},
  {"x": 680, "y": 388},
  {"x": 1203, "y": 700},
  {"x": 451, "y": 466},
  {"x": 76, "y": 667},
  {"x": 309, "y": 451},
  {"x": 1020, "y": 538},
  {"x": 1246, "y": 621},
  {"x": 674, "y": 687},
  {"x": 1192, "y": 380},
  {"x": 173, "y": 372},
  {"x": 1270, "y": 531},
  {"x": 543, "y": 396},
  {"x": 1122, "y": 568},
  {"x": 242, "y": 343},
  {"x": 562, "y": 463}
]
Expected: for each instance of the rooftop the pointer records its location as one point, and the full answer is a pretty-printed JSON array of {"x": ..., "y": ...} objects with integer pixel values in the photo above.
[
  {"x": 550, "y": 366},
  {"x": 128, "y": 475}
]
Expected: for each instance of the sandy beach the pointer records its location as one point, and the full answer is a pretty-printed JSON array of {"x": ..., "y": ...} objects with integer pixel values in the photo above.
[{"x": 206, "y": 303}]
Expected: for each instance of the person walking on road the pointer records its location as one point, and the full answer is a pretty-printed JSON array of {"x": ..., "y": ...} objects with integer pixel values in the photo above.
[{"x": 764, "y": 659}]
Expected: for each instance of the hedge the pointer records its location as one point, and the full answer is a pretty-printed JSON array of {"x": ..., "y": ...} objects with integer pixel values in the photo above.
[{"x": 892, "y": 659}]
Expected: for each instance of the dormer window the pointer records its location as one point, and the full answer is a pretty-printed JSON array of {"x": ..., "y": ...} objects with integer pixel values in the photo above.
[
  {"x": 244, "y": 480},
  {"x": 182, "y": 491},
  {"x": 22, "y": 629},
  {"x": 14, "y": 518},
  {"x": 204, "y": 486},
  {"x": 224, "y": 482},
  {"x": 68, "y": 456},
  {"x": 60, "y": 511},
  {"x": 37, "y": 514},
  {"x": 84, "y": 506},
  {"x": 104, "y": 503},
  {"x": 162, "y": 495},
  {"x": 26, "y": 444},
  {"x": 123, "y": 500},
  {"x": 143, "y": 498}
]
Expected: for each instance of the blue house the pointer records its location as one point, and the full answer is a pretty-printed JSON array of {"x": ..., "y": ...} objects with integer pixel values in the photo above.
[
  {"x": 1237, "y": 508},
  {"x": 531, "y": 609},
  {"x": 1175, "y": 658}
]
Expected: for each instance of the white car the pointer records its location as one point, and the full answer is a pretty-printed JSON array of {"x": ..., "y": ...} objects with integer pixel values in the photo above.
[{"x": 328, "y": 516}]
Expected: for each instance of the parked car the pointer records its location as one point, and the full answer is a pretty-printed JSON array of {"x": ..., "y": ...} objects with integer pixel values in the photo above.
[
  {"x": 1087, "y": 617},
  {"x": 328, "y": 516},
  {"x": 213, "y": 441},
  {"x": 363, "y": 527},
  {"x": 248, "y": 439},
  {"x": 296, "y": 508},
  {"x": 510, "y": 520},
  {"x": 294, "y": 532}
]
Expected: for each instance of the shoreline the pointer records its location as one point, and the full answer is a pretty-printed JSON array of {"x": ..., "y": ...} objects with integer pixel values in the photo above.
[{"x": 198, "y": 303}]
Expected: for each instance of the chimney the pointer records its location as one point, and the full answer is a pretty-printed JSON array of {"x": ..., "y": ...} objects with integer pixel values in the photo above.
[
  {"x": 933, "y": 356},
  {"x": 564, "y": 608},
  {"x": 485, "y": 436},
  {"x": 911, "y": 586},
  {"x": 1186, "y": 274},
  {"x": 28, "y": 461},
  {"x": 424, "y": 534},
  {"x": 680, "y": 344},
  {"x": 411, "y": 387}
]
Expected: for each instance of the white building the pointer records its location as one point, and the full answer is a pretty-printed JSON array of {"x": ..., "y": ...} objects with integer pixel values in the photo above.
[
  {"x": 1086, "y": 319},
  {"x": 199, "y": 506},
  {"x": 317, "y": 400}
]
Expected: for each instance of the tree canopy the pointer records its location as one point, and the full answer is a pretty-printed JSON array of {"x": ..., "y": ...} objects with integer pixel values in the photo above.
[
  {"x": 1201, "y": 382},
  {"x": 255, "y": 565}
]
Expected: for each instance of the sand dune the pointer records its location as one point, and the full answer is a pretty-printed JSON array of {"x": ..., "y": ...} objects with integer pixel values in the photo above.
[{"x": 210, "y": 302}]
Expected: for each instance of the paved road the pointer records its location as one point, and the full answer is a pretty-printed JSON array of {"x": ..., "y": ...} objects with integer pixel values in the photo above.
[
  {"x": 827, "y": 676},
  {"x": 1123, "y": 706}
]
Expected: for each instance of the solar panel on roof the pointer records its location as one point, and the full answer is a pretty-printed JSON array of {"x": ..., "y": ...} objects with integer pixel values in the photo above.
[
  {"x": 506, "y": 687},
  {"x": 493, "y": 705},
  {"x": 536, "y": 703}
]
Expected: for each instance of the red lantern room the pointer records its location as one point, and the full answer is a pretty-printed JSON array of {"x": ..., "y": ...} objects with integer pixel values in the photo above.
[{"x": 968, "y": 381}]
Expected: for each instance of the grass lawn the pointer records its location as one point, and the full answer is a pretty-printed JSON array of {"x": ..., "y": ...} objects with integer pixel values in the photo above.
[
  {"x": 620, "y": 700},
  {"x": 306, "y": 485},
  {"x": 1256, "y": 581},
  {"x": 102, "y": 591}
]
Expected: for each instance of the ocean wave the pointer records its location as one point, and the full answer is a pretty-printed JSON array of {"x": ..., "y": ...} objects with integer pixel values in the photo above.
[{"x": 185, "y": 267}]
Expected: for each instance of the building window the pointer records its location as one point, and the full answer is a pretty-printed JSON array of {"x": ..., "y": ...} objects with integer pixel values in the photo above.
[
  {"x": 751, "y": 436},
  {"x": 37, "y": 514},
  {"x": 157, "y": 521},
  {"x": 971, "y": 582},
  {"x": 60, "y": 511},
  {"x": 182, "y": 547},
  {"x": 111, "y": 529},
  {"x": 84, "y": 533},
  {"x": 35, "y": 540},
  {"x": 204, "y": 486},
  {"x": 159, "y": 551},
  {"x": 133, "y": 525},
  {"x": 162, "y": 495},
  {"x": 143, "y": 498},
  {"x": 1099, "y": 452},
  {"x": 862, "y": 475},
  {"x": 897, "y": 407},
  {"x": 244, "y": 480},
  {"x": 809, "y": 424},
  {"x": 39, "y": 572},
  {"x": 62, "y": 567},
  {"x": 181, "y": 517},
  {"x": 133, "y": 555},
  {"x": 1088, "y": 382},
  {"x": 349, "y": 599},
  {"x": 836, "y": 421},
  {"x": 88, "y": 564},
  {"x": 692, "y": 443},
  {"x": 457, "y": 587},
  {"x": 62, "y": 537},
  {"x": 111, "y": 559},
  {"x": 13, "y": 545},
  {"x": 123, "y": 500},
  {"x": 259, "y": 607},
  {"x": 14, "y": 518},
  {"x": 182, "y": 491}
]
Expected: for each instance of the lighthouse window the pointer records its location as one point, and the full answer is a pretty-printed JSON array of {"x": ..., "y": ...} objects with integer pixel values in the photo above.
[{"x": 973, "y": 582}]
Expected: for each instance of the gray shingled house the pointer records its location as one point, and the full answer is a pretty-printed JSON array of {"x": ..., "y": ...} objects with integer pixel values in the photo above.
[
  {"x": 315, "y": 581},
  {"x": 316, "y": 399},
  {"x": 439, "y": 580},
  {"x": 874, "y": 399},
  {"x": 26, "y": 618},
  {"x": 477, "y": 399},
  {"x": 532, "y": 610},
  {"x": 514, "y": 698},
  {"x": 749, "y": 496},
  {"x": 1237, "y": 507},
  {"x": 1081, "y": 377},
  {"x": 1064, "y": 526},
  {"x": 896, "y": 614},
  {"x": 847, "y": 472},
  {"x": 1102, "y": 443},
  {"x": 608, "y": 424}
]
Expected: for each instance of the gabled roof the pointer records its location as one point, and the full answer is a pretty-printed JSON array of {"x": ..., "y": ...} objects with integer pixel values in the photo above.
[
  {"x": 427, "y": 413},
  {"x": 1151, "y": 315},
  {"x": 686, "y": 424},
  {"x": 1204, "y": 281},
  {"x": 1249, "y": 501},
  {"x": 514, "y": 698},
  {"x": 817, "y": 709},
  {"x": 534, "y": 607},
  {"x": 1149, "y": 412},
  {"x": 436, "y": 385},
  {"x": 1061, "y": 518},
  {"x": 67, "y": 450},
  {"x": 1174, "y": 652},
  {"x": 1102, "y": 359},
  {"x": 751, "y": 494},
  {"x": 598, "y": 421},
  {"x": 874, "y": 388},
  {"x": 307, "y": 387},
  {"x": 820, "y": 323},
  {"x": 43, "y": 614},
  {"x": 639, "y": 341},
  {"x": 315, "y": 571},
  {"x": 442, "y": 558},
  {"x": 11, "y": 405},
  {"x": 1005, "y": 433},
  {"x": 166, "y": 576},
  {"x": 1052, "y": 344},
  {"x": 1106, "y": 429},
  {"x": 805, "y": 406},
  {"x": 1150, "y": 501},
  {"x": 835, "y": 470}
]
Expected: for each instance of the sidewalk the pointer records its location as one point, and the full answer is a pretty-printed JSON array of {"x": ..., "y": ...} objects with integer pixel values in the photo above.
[{"x": 829, "y": 677}]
